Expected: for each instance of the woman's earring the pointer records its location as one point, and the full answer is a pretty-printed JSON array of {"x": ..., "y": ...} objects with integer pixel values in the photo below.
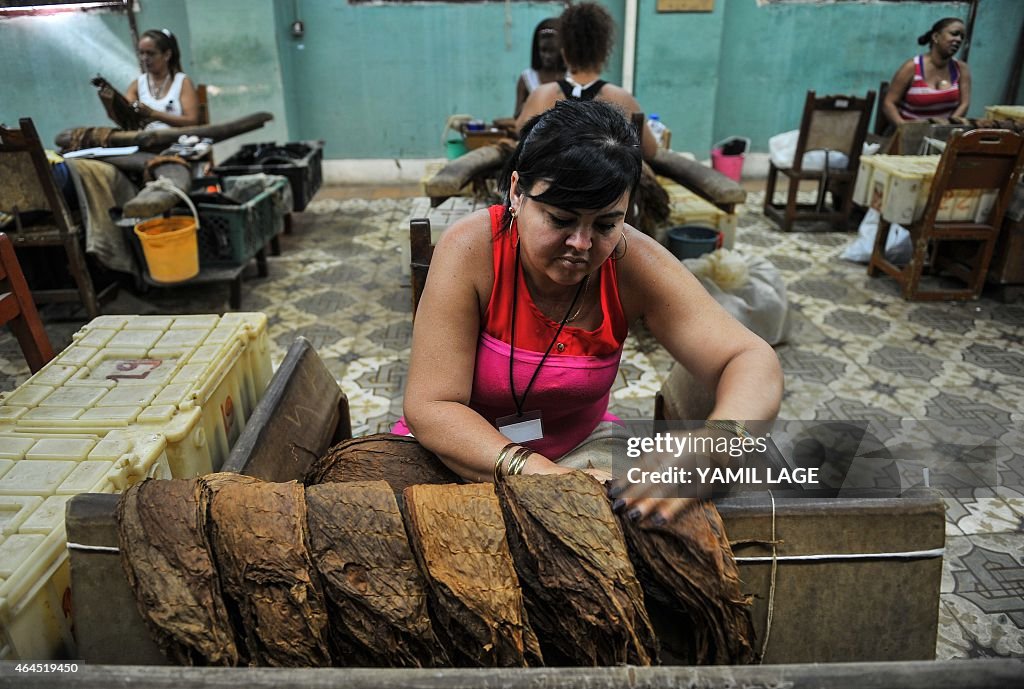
[{"x": 625, "y": 247}]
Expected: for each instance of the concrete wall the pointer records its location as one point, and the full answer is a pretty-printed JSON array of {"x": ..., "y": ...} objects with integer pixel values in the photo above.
[{"x": 377, "y": 80}]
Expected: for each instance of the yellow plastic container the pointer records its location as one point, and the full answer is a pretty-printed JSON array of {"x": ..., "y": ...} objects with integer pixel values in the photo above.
[
  {"x": 1005, "y": 112},
  {"x": 38, "y": 475},
  {"x": 171, "y": 247}
]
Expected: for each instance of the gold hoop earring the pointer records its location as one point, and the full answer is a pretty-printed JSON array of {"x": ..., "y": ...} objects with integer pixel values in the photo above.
[{"x": 625, "y": 247}]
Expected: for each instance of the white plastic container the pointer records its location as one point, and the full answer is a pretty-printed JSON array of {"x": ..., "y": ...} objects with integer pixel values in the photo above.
[
  {"x": 195, "y": 379},
  {"x": 35, "y": 606}
]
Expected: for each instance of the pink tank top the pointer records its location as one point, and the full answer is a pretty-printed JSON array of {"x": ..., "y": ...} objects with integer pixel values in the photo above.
[{"x": 573, "y": 386}]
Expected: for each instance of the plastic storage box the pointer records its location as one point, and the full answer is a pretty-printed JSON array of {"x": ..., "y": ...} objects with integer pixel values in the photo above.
[
  {"x": 39, "y": 473},
  {"x": 300, "y": 161},
  {"x": 231, "y": 235},
  {"x": 194, "y": 379}
]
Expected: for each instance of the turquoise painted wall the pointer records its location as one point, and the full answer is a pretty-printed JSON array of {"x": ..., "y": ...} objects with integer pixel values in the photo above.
[{"x": 379, "y": 80}]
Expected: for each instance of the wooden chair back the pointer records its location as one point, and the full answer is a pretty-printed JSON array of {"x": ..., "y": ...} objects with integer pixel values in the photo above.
[
  {"x": 988, "y": 160},
  {"x": 204, "y": 105},
  {"x": 883, "y": 127},
  {"x": 421, "y": 251},
  {"x": 18, "y": 310},
  {"x": 835, "y": 123},
  {"x": 41, "y": 217}
]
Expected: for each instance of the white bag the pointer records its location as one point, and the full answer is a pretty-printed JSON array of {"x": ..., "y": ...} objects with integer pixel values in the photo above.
[
  {"x": 782, "y": 148},
  {"x": 897, "y": 245},
  {"x": 750, "y": 288}
]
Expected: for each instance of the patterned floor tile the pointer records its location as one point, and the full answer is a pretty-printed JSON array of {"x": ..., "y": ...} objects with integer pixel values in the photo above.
[{"x": 988, "y": 631}]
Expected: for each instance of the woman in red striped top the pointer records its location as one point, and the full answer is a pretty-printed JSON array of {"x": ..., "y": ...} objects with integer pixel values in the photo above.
[{"x": 933, "y": 84}]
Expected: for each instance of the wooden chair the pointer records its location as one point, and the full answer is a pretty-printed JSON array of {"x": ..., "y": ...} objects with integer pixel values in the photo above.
[
  {"x": 19, "y": 311},
  {"x": 836, "y": 124},
  {"x": 988, "y": 161},
  {"x": 421, "y": 251},
  {"x": 204, "y": 106},
  {"x": 882, "y": 126},
  {"x": 41, "y": 217}
]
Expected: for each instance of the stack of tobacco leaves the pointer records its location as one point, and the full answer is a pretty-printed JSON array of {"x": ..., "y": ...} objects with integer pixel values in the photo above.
[
  {"x": 169, "y": 564},
  {"x": 375, "y": 593},
  {"x": 581, "y": 592},
  {"x": 259, "y": 537},
  {"x": 397, "y": 459},
  {"x": 457, "y": 535},
  {"x": 687, "y": 567}
]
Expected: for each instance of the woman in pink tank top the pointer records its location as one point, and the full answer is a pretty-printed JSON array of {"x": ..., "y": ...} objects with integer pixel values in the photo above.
[
  {"x": 520, "y": 327},
  {"x": 933, "y": 84}
]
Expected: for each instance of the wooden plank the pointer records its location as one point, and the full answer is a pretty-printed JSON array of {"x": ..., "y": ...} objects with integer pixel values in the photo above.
[
  {"x": 963, "y": 674},
  {"x": 298, "y": 418},
  {"x": 686, "y": 5}
]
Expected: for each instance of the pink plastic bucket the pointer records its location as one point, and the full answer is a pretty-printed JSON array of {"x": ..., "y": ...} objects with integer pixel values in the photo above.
[{"x": 729, "y": 165}]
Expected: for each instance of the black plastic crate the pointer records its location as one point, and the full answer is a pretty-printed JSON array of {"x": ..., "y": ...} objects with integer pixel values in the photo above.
[
  {"x": 300, "y": 161},
  {"x": 231, "y": 234}
]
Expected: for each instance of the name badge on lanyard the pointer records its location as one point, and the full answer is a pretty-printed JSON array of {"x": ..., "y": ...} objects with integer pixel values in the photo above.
[{"x": 521, "y": 428}]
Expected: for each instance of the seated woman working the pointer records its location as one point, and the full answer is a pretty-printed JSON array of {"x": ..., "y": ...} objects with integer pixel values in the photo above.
[
  {"x": 522, "y": 322},
  {"x": 163, "y": 94},
  {"x": 587, "y": 32},
  {"x": 934, "y": 84},
  {"x": 546, "y": 64}
]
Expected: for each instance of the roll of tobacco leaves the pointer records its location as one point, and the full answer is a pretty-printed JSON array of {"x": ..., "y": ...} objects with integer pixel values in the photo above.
[
  {"x": 376, "y": 596},
  {"x": 687, "y": 569},
  {"x": 169, "y": 565},
  {"x": 259, "y": 537},
  {"x": 458, "y": 537},
  {"x": 581, "y": 592},
  {"x": 397, "y": 459}
]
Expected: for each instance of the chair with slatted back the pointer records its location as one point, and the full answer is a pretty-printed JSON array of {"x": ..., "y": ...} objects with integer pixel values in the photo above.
[
  {"x": 835, "y": 124},
  {"x": 19, "y": 311},
  {"x": 983, "y": 165},
  {"x": 40, "y": 214}
]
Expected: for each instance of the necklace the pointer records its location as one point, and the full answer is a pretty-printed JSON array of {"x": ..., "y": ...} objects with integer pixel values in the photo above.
[
  {"x": 583, "y": 300},
  {"x": 158, "y": 92}
]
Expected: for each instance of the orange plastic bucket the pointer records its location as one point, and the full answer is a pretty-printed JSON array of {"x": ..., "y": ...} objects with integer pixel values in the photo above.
[{"x": 171, "y": 247}]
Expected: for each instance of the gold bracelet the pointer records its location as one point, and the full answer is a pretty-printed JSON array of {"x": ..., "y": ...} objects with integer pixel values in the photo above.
[
  {"x": 518, "y": 461},
  {"x": 502, "y": 453},
  {"x": 734, "y": 427}
]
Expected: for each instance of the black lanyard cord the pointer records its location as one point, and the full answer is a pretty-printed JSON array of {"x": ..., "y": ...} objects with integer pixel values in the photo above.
[{"x": 520, "y": 403}]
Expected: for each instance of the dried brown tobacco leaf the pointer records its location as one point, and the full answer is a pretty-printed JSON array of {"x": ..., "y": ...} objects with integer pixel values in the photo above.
[
  {"x": 458, "y": 537},
  {"x": 169, "y": 565},
  {"x": 376, "y": 596},
  {"x": 687, "y": 566},
  {"x": 580, "y": 588},
  {"x": 259, "y": 538},
  {"x": 397, "y": 459}
]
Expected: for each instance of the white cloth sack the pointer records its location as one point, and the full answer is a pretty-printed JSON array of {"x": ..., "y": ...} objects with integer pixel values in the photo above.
[
  {"x": 897, "y": 245},
  {"x": 782, "y": 148},
  {"x": 750, "y": 288}
]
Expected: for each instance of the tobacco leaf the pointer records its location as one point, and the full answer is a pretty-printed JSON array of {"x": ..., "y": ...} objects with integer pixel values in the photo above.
[
  {"x": 259, "y": 536},
  {"x": 581, "y": 591},
  {"x": 458, "y": 538},
  {"x": 168, "y": 562},
  {"x": 687, "y": 566},
  {"x": 397, "y": 459},
  {"x": 376, "y": 596}
]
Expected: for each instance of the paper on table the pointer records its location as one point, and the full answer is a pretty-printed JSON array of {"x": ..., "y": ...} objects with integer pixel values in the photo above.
[{"x": 102, "y": 152}]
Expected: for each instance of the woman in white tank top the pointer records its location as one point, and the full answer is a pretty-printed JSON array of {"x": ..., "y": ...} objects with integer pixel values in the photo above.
[{"x": 163, "y": 94}]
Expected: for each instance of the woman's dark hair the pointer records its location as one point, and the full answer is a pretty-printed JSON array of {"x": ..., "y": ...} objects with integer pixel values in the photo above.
[
  {"x": 926, "y": 37},
  {"x": 587, "y": 31},
  {"x": 587, "y": 151},
  {"x": 165, "y": 41},
  {"x": 549, "y": 25}
]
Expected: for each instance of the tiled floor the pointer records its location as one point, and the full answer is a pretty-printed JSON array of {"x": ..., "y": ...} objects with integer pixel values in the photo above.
[{"x": 857, "y": 350}]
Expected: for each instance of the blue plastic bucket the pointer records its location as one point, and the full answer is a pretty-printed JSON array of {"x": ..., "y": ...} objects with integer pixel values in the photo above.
[{"x": 691, "y": 241}]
